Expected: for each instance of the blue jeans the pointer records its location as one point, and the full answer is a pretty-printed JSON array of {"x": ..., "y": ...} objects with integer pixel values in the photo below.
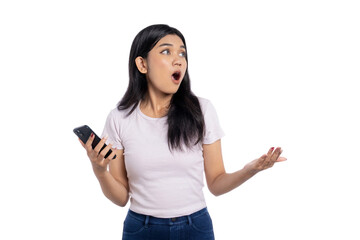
[{"x": 197, "y": 226}]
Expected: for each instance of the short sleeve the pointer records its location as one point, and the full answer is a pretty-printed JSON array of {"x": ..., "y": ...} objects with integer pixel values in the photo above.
[
  {"x": 112, "y": 130},
  {"x": 213, "y": 130}
]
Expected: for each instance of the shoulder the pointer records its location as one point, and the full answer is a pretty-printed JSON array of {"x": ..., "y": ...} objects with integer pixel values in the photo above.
[
  {"x": 119, "y": 118},
  {"x": 119, "y": 114},
  {"x": 205, "y": 104},
  {"x": 116, "y": 121}
]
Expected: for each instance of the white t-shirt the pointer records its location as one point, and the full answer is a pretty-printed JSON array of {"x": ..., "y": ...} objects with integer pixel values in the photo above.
[{"x": 162, "y": 184}]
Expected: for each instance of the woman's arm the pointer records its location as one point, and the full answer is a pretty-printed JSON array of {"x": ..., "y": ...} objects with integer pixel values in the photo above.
[
  {"x": 220, "y": 182},
  {"x": 114, "y": 183}
]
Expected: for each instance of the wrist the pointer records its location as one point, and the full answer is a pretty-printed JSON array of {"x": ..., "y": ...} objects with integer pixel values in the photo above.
[
  {"x": 250, "y": 170},
  {"x": 99, "y": 173}
]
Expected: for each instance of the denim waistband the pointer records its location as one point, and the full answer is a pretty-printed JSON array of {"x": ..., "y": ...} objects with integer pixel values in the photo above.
[{"x": 167, "y": 221}]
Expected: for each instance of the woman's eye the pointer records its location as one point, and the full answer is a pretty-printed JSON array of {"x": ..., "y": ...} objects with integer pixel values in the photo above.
[{"x": 167, "y": 52}]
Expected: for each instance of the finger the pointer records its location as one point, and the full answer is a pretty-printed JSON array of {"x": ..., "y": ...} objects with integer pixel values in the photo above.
[
  {"x": 110, "y": 157},
  {"x": 105, "y": 150},
  {"x": 82, "y": 144},
  {"x": 271, "y": 158},
  {"x": 276, "y": 154},
  {"x": 89, "y": 141},
  {"x": 281, "y": 159},
  {"x": 100, "y": 145},
  {"x": 270, "y": 151},
  {"x": 268, "y": 157},
  {"x": 262, "y": 159}
]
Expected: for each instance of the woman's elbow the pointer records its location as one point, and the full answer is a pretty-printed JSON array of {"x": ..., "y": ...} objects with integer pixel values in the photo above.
[
  {"x": 121, "y": 202},
  {"x": 215, "y": 191}
]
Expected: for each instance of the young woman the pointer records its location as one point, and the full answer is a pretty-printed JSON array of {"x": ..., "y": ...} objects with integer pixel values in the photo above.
[{"x": 165, "y": 138}]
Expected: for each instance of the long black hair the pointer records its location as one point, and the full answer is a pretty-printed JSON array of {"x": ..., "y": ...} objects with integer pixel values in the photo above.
[{"x": 185, "y": 119}]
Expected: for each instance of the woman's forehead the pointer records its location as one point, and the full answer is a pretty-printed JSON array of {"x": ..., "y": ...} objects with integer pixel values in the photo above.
[{"x": 170, "y": 40}]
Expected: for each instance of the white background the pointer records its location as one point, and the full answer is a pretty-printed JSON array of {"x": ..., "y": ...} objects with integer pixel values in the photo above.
[{"x": 280, "y": 73}]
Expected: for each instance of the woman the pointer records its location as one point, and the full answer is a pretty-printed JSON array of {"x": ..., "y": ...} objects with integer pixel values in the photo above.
[{"x": 164, "y": 138}]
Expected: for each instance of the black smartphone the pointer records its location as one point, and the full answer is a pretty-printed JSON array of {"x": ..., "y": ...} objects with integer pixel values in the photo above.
[{"x": 84, "y": 133}]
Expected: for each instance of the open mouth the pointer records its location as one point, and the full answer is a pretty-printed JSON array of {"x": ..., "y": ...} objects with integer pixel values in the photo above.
[{"x": 176, "y": 75}]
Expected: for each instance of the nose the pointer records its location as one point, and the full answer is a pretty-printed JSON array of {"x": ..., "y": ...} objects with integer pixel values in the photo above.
[{"x": 177, "y": 61}]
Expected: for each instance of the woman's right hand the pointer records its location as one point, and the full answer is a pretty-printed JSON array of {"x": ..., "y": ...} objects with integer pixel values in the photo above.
[{"x": 97, "y": 158}]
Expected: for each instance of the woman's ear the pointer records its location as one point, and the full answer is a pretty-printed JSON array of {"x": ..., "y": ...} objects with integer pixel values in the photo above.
[{"x": 141, "y": 64}]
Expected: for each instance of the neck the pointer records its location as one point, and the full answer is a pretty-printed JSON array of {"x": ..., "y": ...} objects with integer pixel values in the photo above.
[{"x": 156, "y": 104}]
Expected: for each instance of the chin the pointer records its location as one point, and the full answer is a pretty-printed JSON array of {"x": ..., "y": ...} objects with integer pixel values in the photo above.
[
  {"x": 175, "y": 91},
  {"x": 171, "y": 90}
]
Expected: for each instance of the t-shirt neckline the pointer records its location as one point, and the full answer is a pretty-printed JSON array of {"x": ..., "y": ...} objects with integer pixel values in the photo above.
[{"x": 146, "y": 116}]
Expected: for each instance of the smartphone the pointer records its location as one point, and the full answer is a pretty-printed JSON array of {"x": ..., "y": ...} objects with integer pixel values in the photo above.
[{"x": 84, "y": 133}]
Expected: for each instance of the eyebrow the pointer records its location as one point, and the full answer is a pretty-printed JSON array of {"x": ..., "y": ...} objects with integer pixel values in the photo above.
[{"x": 170, "y": 45}]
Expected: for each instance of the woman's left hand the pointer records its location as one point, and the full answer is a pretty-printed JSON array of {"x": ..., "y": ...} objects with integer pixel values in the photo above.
[{"x": 266, "y": 161}]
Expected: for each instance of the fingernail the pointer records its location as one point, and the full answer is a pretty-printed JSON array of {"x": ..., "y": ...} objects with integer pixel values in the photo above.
[{"x": 92, "y": 135}]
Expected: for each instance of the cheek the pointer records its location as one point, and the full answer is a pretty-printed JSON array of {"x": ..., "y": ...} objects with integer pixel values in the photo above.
[
  {"x": 161, "y": 62},
  {"x": 157, "y": 67},
  {"x": 154, "y": 61}
]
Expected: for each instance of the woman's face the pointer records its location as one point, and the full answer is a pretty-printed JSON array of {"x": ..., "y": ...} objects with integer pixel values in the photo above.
[{"x": 165, "y": 65}]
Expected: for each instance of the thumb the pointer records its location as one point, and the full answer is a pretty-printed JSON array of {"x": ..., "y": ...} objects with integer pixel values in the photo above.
[{"x": 281, "y": 159}]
